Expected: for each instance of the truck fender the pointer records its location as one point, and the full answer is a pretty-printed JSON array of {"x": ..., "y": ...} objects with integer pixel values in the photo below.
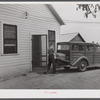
[{"x": 76, "y": 62}]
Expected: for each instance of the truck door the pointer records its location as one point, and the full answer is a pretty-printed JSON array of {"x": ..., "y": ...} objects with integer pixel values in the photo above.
[
  {"x": 97, "y": 54},
  {"x": 90, "y": 53},
  {"x": 78, "y": 50}
]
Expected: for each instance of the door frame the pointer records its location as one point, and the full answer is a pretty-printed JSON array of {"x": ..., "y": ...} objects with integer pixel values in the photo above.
[{"x": 31, "y": 34}]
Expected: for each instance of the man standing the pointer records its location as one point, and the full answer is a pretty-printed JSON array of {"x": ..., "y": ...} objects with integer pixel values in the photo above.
[{"x": 51, "y": 59}]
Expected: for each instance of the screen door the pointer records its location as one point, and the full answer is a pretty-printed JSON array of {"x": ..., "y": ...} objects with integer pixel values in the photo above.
[{"x": 39, "y": 50}]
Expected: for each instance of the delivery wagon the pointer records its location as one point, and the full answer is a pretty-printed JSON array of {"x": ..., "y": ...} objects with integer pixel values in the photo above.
[{"x": 80, "y": 55}]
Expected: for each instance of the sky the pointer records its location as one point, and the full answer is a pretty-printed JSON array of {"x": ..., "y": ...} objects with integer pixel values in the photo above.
[{"x": 89, "y": 31}]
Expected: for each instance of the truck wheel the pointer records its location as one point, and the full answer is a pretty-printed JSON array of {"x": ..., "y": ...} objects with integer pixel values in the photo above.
[
  {"x": 82, "y": 66},
  {"x": 66, "y": 68}
]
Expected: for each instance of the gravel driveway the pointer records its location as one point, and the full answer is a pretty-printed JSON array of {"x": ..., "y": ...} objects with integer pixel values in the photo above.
[{"x": 71, "y": 79}]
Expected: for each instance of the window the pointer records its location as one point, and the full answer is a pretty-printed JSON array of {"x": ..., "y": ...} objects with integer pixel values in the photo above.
[
  {"x": 10, "y": 38},
  {"x": 90, "y": 48},
  {"x": 81, "y": 48},
  {"x": 51, "y": 37},
  {"x": 63, "y": 47},
  {"x": 75, "y": 47},
  {"x": 97, "y": 48}
]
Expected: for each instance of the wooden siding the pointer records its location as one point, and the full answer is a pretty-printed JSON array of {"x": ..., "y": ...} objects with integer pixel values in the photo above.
[
  {"x": 76, "y": 55},
  {"x": 90, "y": 56},
  {"x": 39, "y": 21},
  {"x": 97, "y": 58}
]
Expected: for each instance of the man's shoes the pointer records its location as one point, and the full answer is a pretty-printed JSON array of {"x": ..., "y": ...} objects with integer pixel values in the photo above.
[
  {"x": 54, "y": 73},
  {"x": 45, "y": 72}
]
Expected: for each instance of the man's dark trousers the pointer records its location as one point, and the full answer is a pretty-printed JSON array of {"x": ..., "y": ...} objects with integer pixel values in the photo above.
[{"x": 51, "y": 60}]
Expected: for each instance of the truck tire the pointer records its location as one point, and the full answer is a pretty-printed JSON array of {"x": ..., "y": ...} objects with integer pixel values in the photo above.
[{"x": 82, "y": 66}]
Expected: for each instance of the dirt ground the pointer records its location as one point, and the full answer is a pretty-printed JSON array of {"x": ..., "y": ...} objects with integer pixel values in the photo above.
[{"x": 71, "y": 79}]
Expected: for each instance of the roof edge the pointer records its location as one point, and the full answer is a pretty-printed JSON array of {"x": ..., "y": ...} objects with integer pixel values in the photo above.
[
  {"x": 81, "y": 37},
  {"x": 55, "y": 14}
]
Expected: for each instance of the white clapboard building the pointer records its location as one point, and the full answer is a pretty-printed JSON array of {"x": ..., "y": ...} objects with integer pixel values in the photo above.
[{"x": 26, "y": 30}]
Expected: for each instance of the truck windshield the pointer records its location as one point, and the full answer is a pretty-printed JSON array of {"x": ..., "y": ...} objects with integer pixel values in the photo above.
[{"x": 63, "y": 47}]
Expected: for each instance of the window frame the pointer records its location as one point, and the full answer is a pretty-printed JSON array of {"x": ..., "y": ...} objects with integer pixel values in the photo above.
[
  {"x": 90, "y": 46},
  {"x": 96, "y": 47},
  {"x": 2, "y": 38},
  {"x": 77, "y": 50},
  {"x": 54, "y": 38},
  {"x": 73, "y": 48},
  {"x": 63, "y": 45}
]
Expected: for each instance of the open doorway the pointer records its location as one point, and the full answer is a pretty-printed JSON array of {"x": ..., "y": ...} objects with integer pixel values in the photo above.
[{"x": 39, "y": 51}]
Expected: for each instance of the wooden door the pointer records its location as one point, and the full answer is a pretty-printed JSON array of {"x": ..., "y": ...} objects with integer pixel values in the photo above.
[
  {"x": 90, "y": 53},
  {"x": 36, "y": 50}
]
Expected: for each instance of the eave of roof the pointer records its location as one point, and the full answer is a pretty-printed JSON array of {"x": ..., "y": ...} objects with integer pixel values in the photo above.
[
  {"x": 55, "y": 14},
  {"x": 69, "y": 37},
  {"x": 78, "y": 43}
]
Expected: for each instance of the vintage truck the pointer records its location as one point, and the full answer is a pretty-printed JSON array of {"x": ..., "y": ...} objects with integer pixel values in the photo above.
[{"x": 80, "y": 55}]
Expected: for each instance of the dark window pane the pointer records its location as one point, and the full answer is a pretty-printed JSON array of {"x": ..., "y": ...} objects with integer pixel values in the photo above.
[
  {"x": 81, "y": 48},
  {"x": 9, "y": 31},
  {"x": 10, "y": 49},
  {"x": 9, "y": 34},
  {"x": 90, "y": 48},
  {"x": 51, "y": 37},
  {"x": 97, "y": 48},
  {"x": 63, "y": 47},
  {"x": 8, "y": 41},
  {"x": 75, "y": 47},
  {"x": 9, "y": 27},
  {"x": 10, "y": 38}
]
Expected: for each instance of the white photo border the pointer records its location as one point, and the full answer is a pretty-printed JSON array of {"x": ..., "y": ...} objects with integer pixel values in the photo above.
[{"x": 48, "y": 93}]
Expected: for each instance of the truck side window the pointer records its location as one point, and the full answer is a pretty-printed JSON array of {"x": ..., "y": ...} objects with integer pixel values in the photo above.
[
  {"x": 81, "y": 48},
  {"x": 97, "y": 48},
  {"x": 74, "y": 47},
  {"x": 89, "y": 48},
  {"x": 59, "y": 47},
  {"x": 63, "y": 47}
]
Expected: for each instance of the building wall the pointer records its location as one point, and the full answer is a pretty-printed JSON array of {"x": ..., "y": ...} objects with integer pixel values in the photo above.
[
  {"x": 77, "y": 39},
  {"x": 39, "y": 21}
]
